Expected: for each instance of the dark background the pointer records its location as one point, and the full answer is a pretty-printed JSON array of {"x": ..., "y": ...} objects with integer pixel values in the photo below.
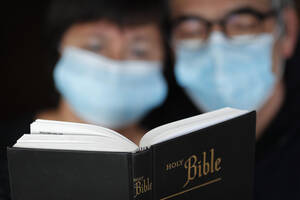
[{"x": 26, "y": 83}]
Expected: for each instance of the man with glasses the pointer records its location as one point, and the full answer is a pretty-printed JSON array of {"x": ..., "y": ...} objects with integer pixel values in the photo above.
[{"x": 232, "y": 53}]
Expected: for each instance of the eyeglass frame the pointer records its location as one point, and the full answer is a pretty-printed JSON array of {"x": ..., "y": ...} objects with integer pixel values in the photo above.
[{"x": 223, "y": 22}]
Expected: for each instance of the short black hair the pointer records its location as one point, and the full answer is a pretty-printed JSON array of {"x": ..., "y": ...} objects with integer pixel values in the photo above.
[{"x": 65, "y": 13}]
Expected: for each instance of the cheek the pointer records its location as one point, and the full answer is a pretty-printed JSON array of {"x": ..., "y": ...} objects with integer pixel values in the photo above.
[
  {"x": 156, "y": 52},
  {"x": 277, "y": 59},
  {"x": 160, "y": 50},
  {"x": 67, "y": 42},
  {"x": 75, "y": 36},
  {"x": 160, "y": 54}
]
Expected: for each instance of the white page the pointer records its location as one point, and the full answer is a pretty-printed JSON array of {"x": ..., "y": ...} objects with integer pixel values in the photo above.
[
  {"x": 70, "y": 128},
  {"x": 74, "y": 142},
  {"x": 186, "y": 126}
]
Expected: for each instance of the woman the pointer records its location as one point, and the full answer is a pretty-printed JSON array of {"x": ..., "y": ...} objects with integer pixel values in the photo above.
[
  {"x": 110, "y": 66},
  {"x": 111, "y": 62}
]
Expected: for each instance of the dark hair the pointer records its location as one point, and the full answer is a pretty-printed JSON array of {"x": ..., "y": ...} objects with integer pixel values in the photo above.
[{"x": 65, "y": 13}]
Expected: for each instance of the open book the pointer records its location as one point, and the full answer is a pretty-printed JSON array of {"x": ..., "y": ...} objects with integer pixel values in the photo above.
[
  {"x": 208, "y": 156},
  {"x": 47, "y": 134}
]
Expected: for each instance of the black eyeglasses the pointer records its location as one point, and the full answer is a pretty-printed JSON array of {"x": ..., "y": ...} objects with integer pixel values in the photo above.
[{"x": 246, "y": 21}]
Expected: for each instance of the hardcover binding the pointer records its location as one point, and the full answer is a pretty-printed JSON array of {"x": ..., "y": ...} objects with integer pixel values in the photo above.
[
  {"x": 142, "y": 175},
  {"x": 213, "y": 163},
  {"x": 37, "y": 174}
]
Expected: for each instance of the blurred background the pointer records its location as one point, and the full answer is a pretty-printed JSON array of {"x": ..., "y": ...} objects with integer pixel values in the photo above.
[{"x": 25, "y": 83}]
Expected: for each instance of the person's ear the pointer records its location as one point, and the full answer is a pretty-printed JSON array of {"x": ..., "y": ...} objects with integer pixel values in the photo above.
[{"x": 290, "y": 38}]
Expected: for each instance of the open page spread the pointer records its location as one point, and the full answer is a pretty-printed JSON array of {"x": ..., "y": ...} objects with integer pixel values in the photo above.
[{"x": 47, "y": 134}]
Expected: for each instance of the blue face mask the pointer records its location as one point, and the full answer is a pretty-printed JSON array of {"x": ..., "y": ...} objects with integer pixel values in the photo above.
[
  {"x": 227, "y": 73},
  {"x": 110, "y": 93}
]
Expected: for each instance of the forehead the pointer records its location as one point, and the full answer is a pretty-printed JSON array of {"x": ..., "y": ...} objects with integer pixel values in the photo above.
[
  {"x": 212, "y": 9},
  {"x": 103, "y": 27}
]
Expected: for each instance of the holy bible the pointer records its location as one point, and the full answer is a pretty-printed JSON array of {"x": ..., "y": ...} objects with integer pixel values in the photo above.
[{"x": 210, "y": 156}]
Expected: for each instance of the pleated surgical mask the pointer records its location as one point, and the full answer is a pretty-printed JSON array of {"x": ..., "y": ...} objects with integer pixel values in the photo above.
[
  {"x": 226, "y": 73},
  {"x": 106, "y": 92}
]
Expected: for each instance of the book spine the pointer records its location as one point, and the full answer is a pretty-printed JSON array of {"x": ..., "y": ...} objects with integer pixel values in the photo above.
[{"x": 142, "y": 175}]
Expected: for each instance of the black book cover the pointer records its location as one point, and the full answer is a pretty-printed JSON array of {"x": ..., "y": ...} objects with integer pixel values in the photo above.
[{"x": 212, "y": 163}]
